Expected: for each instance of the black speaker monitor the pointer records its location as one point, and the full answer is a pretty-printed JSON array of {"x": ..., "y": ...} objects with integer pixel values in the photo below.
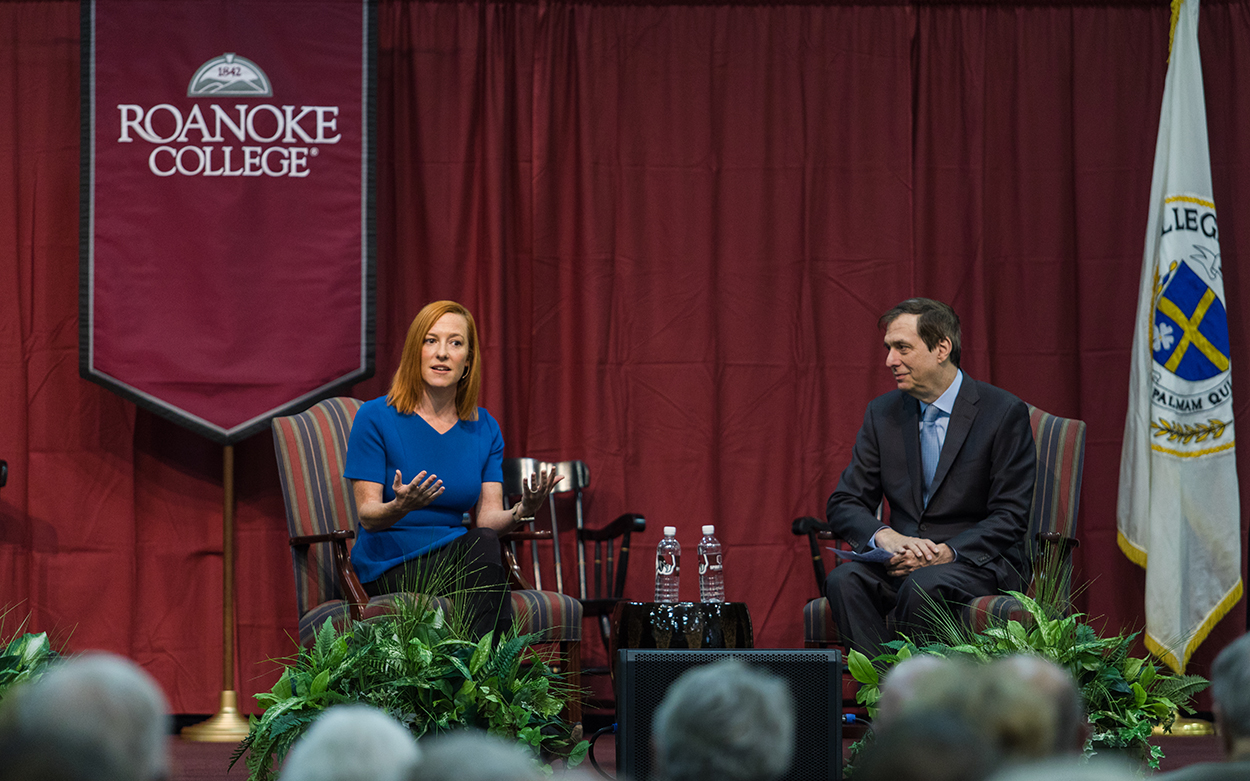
[{"x": 814, "y": 675}]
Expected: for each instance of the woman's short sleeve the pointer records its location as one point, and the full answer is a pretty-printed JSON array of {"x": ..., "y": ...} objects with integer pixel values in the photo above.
[
  {"x": 492, "y": 467},
  {"x": 366, "y": 453}
]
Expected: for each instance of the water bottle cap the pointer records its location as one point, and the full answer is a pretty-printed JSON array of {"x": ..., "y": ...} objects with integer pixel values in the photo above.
[
  {"x": 709, "y": 530},
  {"x": 670, "y": 531}
]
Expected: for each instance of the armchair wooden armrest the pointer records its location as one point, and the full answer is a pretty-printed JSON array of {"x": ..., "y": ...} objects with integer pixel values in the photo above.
[
  {"x": 525, "y": 534},
  {"x": 815, "y": 530},
  {"x": 624, "y": 524},
  {"x": 1052, "y": 569},
  {"x": 516, "y": 579},
  {"x": 1063, "y": 542},
  {"x": 806, "y": 525},
  {"x": 357, "y": 598},
  {"x": 812, "y": 528},
  {"x": 338, "y": 535}
]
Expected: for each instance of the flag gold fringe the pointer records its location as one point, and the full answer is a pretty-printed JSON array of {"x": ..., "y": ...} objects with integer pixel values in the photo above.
[
  {"x": 1139, "y": 557},
  {"x": 1176, "y": 12},
  {"x": 1135, "y": 554},
  {"x": 1204, "y": 629}
]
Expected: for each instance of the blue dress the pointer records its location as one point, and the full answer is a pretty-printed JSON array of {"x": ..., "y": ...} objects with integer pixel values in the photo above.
[{"x": 383, "y": 440}]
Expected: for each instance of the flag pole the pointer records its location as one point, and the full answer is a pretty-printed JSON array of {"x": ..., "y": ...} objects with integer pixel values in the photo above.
[{"x": 227, "y": 726}]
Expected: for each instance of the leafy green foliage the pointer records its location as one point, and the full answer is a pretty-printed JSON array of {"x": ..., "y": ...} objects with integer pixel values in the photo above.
[
  {"x": 1125, "y": 696},
  {"x": 25, "y": 657},
  {"x": 417, "y": 666}
]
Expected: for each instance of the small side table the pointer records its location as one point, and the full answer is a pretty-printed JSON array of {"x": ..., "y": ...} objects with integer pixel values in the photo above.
[{"x": 679, "y": 625}]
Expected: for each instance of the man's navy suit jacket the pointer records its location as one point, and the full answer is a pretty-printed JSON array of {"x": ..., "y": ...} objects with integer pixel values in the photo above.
[{"x": 983, "y": 487}]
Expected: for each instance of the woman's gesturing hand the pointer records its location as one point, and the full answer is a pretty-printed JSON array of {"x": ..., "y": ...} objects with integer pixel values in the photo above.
[
  {"x": 534, "y": 490},
  {"x": 420, "y": 492}
]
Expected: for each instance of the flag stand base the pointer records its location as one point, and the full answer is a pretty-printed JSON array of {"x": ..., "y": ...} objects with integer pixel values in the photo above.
[
  {"x": 227, "y": 726},
  {"x": 1186, "y": 728}
]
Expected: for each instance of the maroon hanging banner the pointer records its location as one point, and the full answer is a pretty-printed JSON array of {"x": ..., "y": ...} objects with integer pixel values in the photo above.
[{"x": 227, "y": 205}]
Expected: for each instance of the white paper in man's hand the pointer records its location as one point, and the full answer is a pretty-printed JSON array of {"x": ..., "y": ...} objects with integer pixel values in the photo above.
[{"x": 874, "y": 556}]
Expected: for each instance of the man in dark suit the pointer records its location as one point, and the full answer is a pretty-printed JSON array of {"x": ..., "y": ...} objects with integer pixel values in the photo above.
[{"x": 954, "y": 459}]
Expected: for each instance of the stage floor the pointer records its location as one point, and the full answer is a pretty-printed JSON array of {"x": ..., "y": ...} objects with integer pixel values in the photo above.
[{"x": 208, "y": 761}]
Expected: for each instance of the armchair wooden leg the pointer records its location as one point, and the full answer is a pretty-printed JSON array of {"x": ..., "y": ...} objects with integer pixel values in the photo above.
[{"x": 572, "y": 652}]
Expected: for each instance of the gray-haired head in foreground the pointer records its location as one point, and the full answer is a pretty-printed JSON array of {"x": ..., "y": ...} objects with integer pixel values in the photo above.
[
  {"x": 928, "y": 745},
  {"x": 25, "y": 757},
  {"x": 352, "y": 743},
  {"x": 1047, "y": 703},
  {"x": 1027, "y": 706},
  {"x": 725, "y": 721},
  {"x": 1069, "y": 769},
  {"x": 471, "y": 755},
  {"x": 1230, "y": 687},
  {"x": 101, "y": 700},
  {"x": 919, "y": 683}
]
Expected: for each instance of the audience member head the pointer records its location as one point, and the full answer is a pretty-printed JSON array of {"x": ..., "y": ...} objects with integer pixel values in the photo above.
[
  {"x": 935, "y": 321},
  {"x": 928, "y": 745},
  {"x": 724, "y": 721},
  {"x": 352, "y": 743},
  {"x": 1066, "y": 724},
  {"x": 56, "y": 758},
  {"x": 1069, "y": 769},
  {"x": 471, "y": 755},
  {"x": 98, "y": 703},
  {"x": 408, "y": 387},
  {"x": 922, "y": 682},
  {"x": 1029, "y": 708},
  {"x": 1230, "y": 689}
]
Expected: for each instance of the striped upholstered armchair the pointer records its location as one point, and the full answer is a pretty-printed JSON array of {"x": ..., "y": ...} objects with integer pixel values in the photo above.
[
  {"x": 1051, "y": 537},
  {"x": 321, "y": 517}
]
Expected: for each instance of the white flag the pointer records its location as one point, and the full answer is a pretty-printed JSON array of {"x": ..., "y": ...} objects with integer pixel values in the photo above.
[{"x": 1179, "y": 511}]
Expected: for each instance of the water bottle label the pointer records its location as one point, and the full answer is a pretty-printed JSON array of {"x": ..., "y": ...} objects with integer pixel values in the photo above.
[
  {"x": 665, "y": 565},
  {"x": 712, "y": 563}
]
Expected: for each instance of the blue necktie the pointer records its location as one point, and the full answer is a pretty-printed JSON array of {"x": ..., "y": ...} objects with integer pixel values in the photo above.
[{"x": 930, "y": 448}]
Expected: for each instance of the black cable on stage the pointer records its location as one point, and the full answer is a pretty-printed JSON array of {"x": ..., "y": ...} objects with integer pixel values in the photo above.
[{"x": 590, "y": 752}]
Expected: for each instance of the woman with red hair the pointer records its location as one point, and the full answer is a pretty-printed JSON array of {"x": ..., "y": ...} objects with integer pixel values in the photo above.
[{"x": 422, "y": 457}]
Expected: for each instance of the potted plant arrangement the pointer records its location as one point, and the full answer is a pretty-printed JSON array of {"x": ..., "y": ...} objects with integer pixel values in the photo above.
[
  {"x": 1125, "y": 696},
  {"x": 417, "y": 665},
  {"x": 26, "y": 656}
]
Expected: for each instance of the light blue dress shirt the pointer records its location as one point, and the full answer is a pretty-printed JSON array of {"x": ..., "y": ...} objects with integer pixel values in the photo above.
[{"x": 946, "y": 403}]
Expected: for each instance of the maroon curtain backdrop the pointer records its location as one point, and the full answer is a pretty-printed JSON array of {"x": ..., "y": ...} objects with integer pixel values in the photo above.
[{"x": 676, "y": 226}]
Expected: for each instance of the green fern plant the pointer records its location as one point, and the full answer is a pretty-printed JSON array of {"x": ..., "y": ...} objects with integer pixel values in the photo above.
[
  {"x": 418, "y": 666},
  {"x": 25, "y": 657},
  {"x": 1125, "y": 696}
]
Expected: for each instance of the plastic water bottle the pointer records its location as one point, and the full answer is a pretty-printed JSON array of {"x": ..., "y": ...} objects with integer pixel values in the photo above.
[
  {"x": 667, "y": 566},
  {"x": 711, "y": 567}
]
